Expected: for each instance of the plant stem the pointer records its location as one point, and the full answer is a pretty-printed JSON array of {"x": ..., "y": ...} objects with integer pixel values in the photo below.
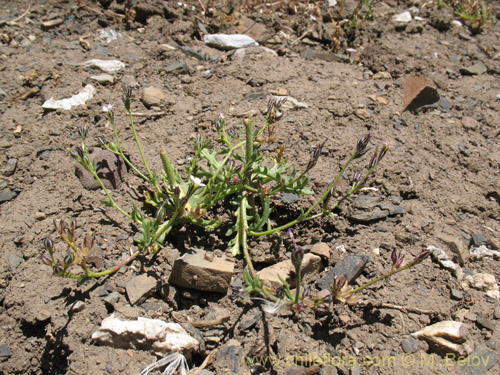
[
  {"x": 242, "y": 232},
  {"x": 298, "y": 280}
]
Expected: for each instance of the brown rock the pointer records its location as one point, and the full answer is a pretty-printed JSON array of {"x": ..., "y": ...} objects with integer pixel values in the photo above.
[
  {"x": 152, "y": 96},
  {"x": 196, "y": 272},
  {"x": 269, "y": 275},
  {"x": 418, "y": 92},
  {"x": 140, "y": 287},
  {"x": 322, "y": 249},
  {"x": 469, "y": 123}
]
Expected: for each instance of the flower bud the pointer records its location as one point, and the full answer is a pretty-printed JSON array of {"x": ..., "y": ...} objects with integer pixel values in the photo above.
[
  {"x": 338, "y": 283},
  {"x": 361, "y": 145},
  {"x": 384, "y": 150},
  {"x": 58, "y": 270},
  {"x": 374, "y": 159},
  {"x": 397, "y": 259},
  {"x": 420, "y": 257},
  {"x": 83, "y": 130},
  {"x": 49, "y": 245},
  {"x": 68, "y": 260},
  {"x": 46, "y": 260},
  {"x": 297, "y": 256}
]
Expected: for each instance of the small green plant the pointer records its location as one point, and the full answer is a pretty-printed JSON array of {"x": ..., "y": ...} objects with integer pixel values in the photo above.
[
  {"x": 235, "y": 173},
  {"x": 475, "y": 13}
]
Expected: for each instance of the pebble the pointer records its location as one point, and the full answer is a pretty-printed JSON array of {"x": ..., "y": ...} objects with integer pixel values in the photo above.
[
  {"x": 290, "y": 198},
  {"x": 14, "y": 262},
  {"x": 140, "y": 287},
  {"x": 81, "y": 98},
  {"x": 112, "y": 298},
  {"x": 469, "y": 123},
  {"x": 40, "y": 216},
  {"x": 229, "y": 41},
  {"x": 409, "y": 345},
  {"x": 7, "y": 195},
  {"x": 485, "y": 323},
  {"x": 464, "y": 36},
  {"x": 10, "y": 167},
  {"x": 178, "y": 68},
  {"x": 152, "y": 96},
  {"x": 363, "y": 114},
  {"x": 4, "y": 351},
  {"x": 418, "y": 92},
  {"x": 311, "y": 264},
  {"x": 404, "y": 17},
  {"x": 77, "y": 307},
  {"x": 194, "y": 271},
  {"x": 478, "y": 239},
  {"x": 104, "y": 79},
  {"x": 110, "y": 168},
  {"x": 322, "y": 249},
  {"x": 350, "y": 267},
  {"x": 456, "y": 294},
  {"x": 382, "y": 75},
  {"x": 476, "y": 69}
]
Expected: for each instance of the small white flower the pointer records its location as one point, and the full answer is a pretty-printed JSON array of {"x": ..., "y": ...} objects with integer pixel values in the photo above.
[
  {"x": 107, "y": 108},
  {"x": 196, "y": 181}
]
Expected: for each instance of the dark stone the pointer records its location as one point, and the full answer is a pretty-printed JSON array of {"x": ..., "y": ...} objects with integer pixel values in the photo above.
[
  {"x": 456, "y": 294},
  {"x": 250, "y": 318},
  {"x": 10, "y": 167},
  {"x": 444, "y": 104},
  {"x": 4, "y": 351},
  {"x": 289, "y": 198},
  {"x": 477, "y": 239},
  {"x": 7, "y": 195},
  {"x": 480, "y": 361},
  {"x": 493, "y": 343},
  {"x": 418, "y": 93},
  {"x": 177, "y": 68},
  {"x": 110, "y": 168},
  {"x": 230, "y": 357},
  {"x": 409, "y": 345},
  {"x": 350, "y": 267},
  {"x": 367, "y": 217},
  {"x": 481, "y": 321}
]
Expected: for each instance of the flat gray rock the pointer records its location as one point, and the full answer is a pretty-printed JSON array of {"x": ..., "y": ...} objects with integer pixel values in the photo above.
[{"x": 350, "y": 267}]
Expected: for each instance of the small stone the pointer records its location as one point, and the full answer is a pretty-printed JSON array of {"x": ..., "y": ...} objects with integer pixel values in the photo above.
[
  {"x": 494, "y": 342},
  {"x": 110, "y": 169},
  {"x": 152, "y": 96},
  {"x": 409, "y": 345},
  {"x": 4, "y": 351},
  {"x": 469, "y": 123},
  {"x": 476, "y": 69},
  {"x": 14, "y": 262},
  {"x": 112, "y": 298},
  {"x": 77, "y": 307},
  {"x": 404, "y": 17},
  {"x": 17, "y": 131},
  {"x": 496, "y": 313},
  {"x": 478, "y": 239},
  {"x": 7, "y": 195},
  {"x": 363, "y": 114},
  {"x": 382, "y": 100},
  {"x": 42, "y": 315},
  {"x": 230, "y": 359},
  {"x": 382, "y": 75},
  {"x": 350, "y": 267},
  {"x": 140, "y": 287},
  {"x": 269, "y": 275},
  {"x": 104, "y": 79},
  {"x": 214, "y": 276},
  {"x": 10, "y": 167},
  {"x": 290, "y": 198},
  {"x": 228, "y": 42},
  {"x": 322, "y": 249},
  {"x": 480, "y": 361},
  {"x": 454, "y": 242},
  {"x": 456, "y": 294},
  {"x": 481, "y": 321},
  {"x": 40, "y": 216},
  {"x": 177, "y": 68},
  {"x": 418, "y": 92},
  {"x": 47, "y": 25}
]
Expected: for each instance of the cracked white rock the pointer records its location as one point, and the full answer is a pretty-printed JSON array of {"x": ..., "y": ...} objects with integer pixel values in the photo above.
[
  {"x": 447, "y": 336},
  {"x": 404, "y": 17},
  {"x": 482, "y": 251},
  {"x": 79, "y": 99},
  {"x": 144, "y": 333},
  {"x": 483, "y": 281}
]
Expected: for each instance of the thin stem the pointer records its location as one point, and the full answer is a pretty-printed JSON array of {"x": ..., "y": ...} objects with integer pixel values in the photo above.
[
  {"x": 380, "y": 278},
  {"x": 298, "y": 280},
  {"x": 242, "y": 232}
]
